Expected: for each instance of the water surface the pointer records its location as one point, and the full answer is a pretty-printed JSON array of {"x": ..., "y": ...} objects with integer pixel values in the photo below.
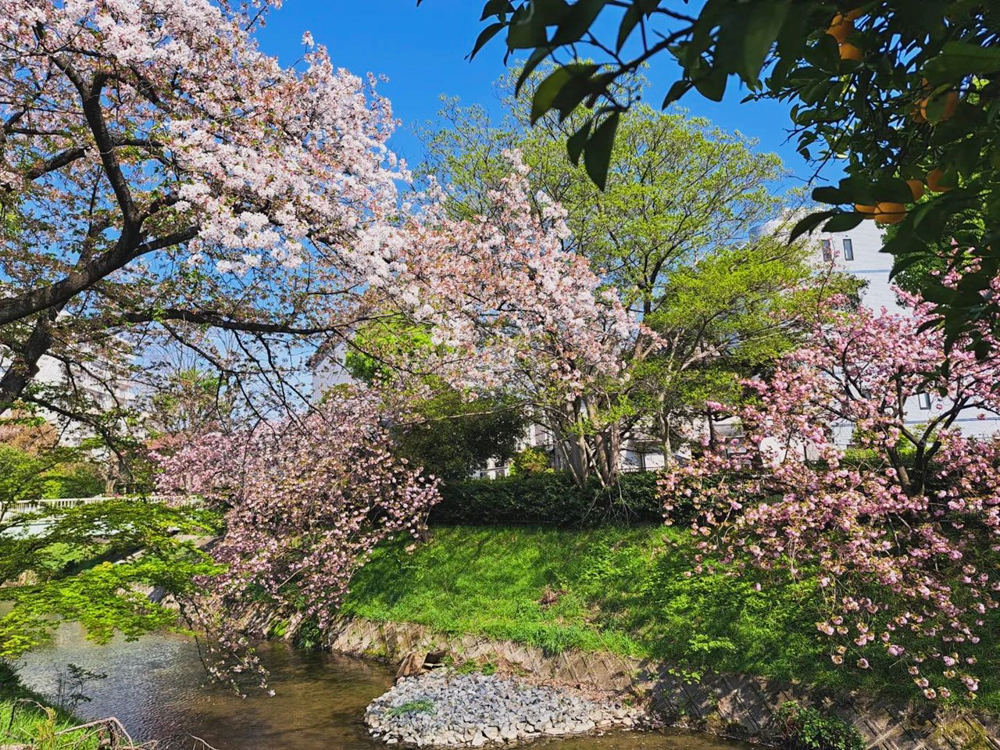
[{"x": 158, "y": 689}]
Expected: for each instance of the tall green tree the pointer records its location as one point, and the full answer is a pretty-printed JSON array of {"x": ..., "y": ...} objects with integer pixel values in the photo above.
[
  {"x": 677, "y": 186},
  {"x": 677, "y": 230},
  {"x": 725, "y": 318}
]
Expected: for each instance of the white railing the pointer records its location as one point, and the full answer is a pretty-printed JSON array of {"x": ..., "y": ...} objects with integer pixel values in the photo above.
[{"x": 30, "y": 506}]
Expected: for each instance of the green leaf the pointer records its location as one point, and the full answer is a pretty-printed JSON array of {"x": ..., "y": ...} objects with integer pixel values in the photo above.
[
  {"x": 552, "y": 12},
  {"x": 893, "y": 190},
  {"x": 575, "y": 91},
  {"x": 526, "y": 30},
  {"x": 761, "y": 31},
  {"x": 488, "y": 33},
  {"x": 843, "y": 222},
  {"x": 676, "y": 92},
  {"x": 549, "y": 89},
  {"x": 576, "y": 142},
  {"x": 632, "y": 16},
  {"x": 494, "y": 8},
  {"x": 809, "y": 223},
  {"x": 959, "y": 59},
  {"x": 579, "y": 19},
  {"x": 929, "y": 324},
  {"x": 597, "y": 152},
  {"x": 829, "y": 194},
  {"x": 713, "y": 85},
  {"x": 533, "y": 61}
]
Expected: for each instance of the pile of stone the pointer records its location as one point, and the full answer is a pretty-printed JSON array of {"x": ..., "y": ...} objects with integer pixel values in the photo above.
[{"x": 473, "y": 710}]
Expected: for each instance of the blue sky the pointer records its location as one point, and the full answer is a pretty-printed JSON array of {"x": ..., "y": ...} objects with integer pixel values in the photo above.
[{"x": 422, "y": 52}]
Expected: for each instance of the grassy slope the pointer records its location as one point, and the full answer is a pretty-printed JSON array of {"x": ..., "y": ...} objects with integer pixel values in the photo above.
[
  {"x": 623, "y": 590},
  {"x": 35, "y": 723}
]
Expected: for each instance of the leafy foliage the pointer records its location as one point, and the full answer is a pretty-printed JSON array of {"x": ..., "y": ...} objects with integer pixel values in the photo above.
[
  {"x": 450, "y": 436},
  {"x": 905, "y": 90},
  {"x": 530, "y": 461},
  {"x": 806, "y": 728},
  {"x": 551, "y": 498},
  {"x": 56, "y": 564},
  {"x": 446, "y": 433}
]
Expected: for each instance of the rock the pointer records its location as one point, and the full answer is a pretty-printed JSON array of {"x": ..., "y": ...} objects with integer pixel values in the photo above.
[
  {"x": 412, "y": 664},
  {"x": 447, "y": 709}
]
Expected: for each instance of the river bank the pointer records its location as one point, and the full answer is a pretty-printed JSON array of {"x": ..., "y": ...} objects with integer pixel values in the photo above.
[
  {"x": 612, "y": 609},
  {"x": 159, "y": 690},
  {"x": 26, "y": 716},
  {"x": 628, "y": 592}
]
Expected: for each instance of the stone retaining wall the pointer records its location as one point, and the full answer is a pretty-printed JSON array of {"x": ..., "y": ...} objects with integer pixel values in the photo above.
[{"x": 727, "y": 705}]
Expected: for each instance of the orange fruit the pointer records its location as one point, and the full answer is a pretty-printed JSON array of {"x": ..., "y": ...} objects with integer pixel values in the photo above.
[
  {"x": 918, "y": 116},
  {"x": 861, "y": 208},
  {"x": 890, "y": 213},
  {"x": 950, "y": 104},
  {"x": 934, "y": 181},
  {"x": 840, "y": 29},
  {"x": 850, "y": 52},
  {"x": 917, "y": 188}
]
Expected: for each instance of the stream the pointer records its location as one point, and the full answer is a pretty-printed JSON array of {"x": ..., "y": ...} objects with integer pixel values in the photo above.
[{"x": 158, "y": 689}]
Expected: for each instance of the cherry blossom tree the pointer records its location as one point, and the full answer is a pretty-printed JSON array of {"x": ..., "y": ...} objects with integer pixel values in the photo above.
[
  {"x": 903, "y": 547},
  {"x": 305, "y": 501},
  {"x": 165, "y": 184},
  {"x": 510, "y": 308}
]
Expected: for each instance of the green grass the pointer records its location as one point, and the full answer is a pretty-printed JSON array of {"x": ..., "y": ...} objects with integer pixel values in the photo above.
[
  {"x": 621, "y": 590},
  {"x": 25, "y": 718},
  {"x": 422, "y": 706}
]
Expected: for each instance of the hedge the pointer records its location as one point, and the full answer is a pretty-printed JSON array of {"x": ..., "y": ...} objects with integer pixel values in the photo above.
[{"x": 551, "y": 499}]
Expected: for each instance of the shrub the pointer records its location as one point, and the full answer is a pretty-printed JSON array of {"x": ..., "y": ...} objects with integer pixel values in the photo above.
[
  {"x": 808, "y": 729},
  {"x": 550, "y": 498},
  {"x": 530, "y": 461}
]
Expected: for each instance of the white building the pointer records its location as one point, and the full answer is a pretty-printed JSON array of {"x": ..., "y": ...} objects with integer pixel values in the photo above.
[
  {"x": 858, "y": 252},
  {"x": 94, "y": 384}
]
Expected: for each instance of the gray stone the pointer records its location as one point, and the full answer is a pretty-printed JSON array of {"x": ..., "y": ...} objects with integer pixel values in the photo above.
[{"x": 473, "y": 710}]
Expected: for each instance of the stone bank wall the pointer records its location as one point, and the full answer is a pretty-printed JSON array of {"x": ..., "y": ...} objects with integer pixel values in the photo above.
[{"x": 727, "y": 705}]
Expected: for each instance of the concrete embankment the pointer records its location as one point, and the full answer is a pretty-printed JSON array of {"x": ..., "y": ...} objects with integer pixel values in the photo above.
[{"x": 732, "y": 706}]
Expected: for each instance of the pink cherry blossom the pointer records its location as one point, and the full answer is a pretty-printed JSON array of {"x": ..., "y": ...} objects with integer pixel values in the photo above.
[
  {"x": 305, "y": 503},
  {"x": 905, "y": 545}
]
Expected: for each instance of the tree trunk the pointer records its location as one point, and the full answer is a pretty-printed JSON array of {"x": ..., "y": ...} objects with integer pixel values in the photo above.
[{"x": 666, "y": 443}]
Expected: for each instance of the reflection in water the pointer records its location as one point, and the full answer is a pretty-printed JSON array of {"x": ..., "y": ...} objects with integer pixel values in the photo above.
[{"x": 158, "y": 689}]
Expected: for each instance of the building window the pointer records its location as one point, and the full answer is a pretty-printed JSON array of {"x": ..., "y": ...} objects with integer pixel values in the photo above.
[
  {"x": 924, "y": 399},
  {"x": 848, "y": 250},
  {"x": 827, "y": 250}
]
